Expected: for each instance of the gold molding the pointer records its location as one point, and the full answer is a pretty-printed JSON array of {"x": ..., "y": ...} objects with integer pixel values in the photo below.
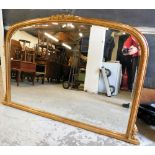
[
  {"x": 61, "y": 17},
  {"x": 129, "y": 136},
  {"x": 73, "y": 122}
]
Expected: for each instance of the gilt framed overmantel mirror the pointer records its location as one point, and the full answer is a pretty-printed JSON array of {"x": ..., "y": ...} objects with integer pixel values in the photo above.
[{"x": 80, "y": 71}]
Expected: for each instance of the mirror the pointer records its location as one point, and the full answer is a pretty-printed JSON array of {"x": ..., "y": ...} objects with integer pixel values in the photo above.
[
  {"x": 79, "y": 71},
  {"x": 75, "y": 70}
]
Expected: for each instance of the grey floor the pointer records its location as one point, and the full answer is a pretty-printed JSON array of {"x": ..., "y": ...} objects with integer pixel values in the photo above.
[
  {"x": 99, "y": 110},
  {"x": 21, "y": 128}
]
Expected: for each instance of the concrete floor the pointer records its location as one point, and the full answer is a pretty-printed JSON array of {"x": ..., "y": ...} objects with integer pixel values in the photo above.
[
  {"x": 94, "y": 109},
  {"x": 21, "y": 128}
]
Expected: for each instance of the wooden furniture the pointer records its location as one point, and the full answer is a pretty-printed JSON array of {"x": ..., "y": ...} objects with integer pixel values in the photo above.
[
  {"x": 49, "y": 60},
  {"x": 22, "y": 60},
  {"x": 28, "y": 53},
  {"x": 24, "y": 43},
  {"x": 16, "y": 50},
  {"x": 53, "y": 71},
  {"x": 44, "y": 45},
  {"x": 20, "y": 67},
  {"x": 21, "y": 51},
  {"x": 41, "y": 72}
]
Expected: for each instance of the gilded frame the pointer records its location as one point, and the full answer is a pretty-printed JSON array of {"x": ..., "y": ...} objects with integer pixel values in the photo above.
[{"x": 129, "y": 136}]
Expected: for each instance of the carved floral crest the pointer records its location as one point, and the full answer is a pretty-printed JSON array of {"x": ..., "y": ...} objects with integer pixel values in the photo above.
[{"x": 64, "y": 17}]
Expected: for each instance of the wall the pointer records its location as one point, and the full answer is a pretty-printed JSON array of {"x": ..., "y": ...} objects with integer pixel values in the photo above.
[
  {"x": 134, "y": 17},
  {"x": 24, "y": 35},
  {"x": 150, "y": 73},
  {"x": 114, "y": 51}
]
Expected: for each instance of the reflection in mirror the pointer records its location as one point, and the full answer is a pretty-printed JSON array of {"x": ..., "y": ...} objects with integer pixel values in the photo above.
[{"x": 82, "y": 72}]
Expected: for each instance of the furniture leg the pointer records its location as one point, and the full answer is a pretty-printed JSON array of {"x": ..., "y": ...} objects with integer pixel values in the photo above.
[
  {"x": 18, "y": 77},
  {"x": 43, "y": 79},
  {"x": 48, "y": 80},
  {"x": 33, "y": 78},
  {"x": 37, "y": 78},
  {"x": 22, "y": 76}
]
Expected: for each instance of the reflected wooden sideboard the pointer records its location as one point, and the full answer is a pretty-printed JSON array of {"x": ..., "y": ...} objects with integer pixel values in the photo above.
[{"x": 19, "y": 67}]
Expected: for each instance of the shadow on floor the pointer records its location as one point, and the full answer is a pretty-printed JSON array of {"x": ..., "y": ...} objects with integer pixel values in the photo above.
[{"x": 146, "y": 130}]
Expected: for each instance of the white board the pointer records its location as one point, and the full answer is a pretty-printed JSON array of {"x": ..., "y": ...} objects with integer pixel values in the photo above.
[{"x": 94, "y": 59}]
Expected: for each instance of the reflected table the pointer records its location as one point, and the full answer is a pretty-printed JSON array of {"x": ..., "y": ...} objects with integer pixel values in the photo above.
[{"x": 19, "y": 67}]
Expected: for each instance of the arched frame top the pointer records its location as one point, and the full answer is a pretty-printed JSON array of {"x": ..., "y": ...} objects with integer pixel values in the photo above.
[{"x": 129, "y": 136}]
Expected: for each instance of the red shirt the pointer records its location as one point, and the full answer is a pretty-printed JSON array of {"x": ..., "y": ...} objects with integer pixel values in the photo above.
[{"x": 131, "y": 41}]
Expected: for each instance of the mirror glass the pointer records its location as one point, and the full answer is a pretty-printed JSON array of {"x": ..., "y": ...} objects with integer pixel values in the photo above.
[{"x": 78, "y": 71}]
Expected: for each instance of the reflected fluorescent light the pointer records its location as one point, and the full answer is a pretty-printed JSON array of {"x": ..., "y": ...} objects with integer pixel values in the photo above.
[
  {"x": 71, "y": 25},
  {"x": 28, "y": 27},
  {"x": 41, "y": 25},
  {"x": 54, "y": 23},
  {"x": 67, "y": 46},
  {"x": 81, "y": 34},
  {"x": 51, "y": 37},
  {"x": 45, "y": 25},
  {"x": 82, "y": 26}
]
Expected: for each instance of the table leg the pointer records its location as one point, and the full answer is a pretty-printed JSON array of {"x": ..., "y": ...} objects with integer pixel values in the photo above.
[
  {"x": 33, "y": 78},
  {"x": 43, "y": 79},
  {"x": 18, "y": 77}
]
